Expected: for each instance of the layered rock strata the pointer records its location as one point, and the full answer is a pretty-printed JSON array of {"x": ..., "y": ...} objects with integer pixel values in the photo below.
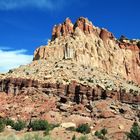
[{"x": 74, "y": 92}]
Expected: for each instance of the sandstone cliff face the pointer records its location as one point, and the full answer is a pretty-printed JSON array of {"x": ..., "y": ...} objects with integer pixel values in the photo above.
[{"x": 88, "y": 45}]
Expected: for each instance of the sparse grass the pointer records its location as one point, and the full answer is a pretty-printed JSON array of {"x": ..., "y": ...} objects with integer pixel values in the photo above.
[
  {"x": 83, "y": 138},
  {"x": 26, "y": 137}
]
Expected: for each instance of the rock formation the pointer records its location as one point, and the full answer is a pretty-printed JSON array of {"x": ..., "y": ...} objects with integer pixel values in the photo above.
[
  {"x": 91, "y": 46},
  {"x": 73, "y": 91}
]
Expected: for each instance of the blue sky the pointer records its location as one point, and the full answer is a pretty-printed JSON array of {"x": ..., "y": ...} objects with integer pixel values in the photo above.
[{"x": 27, "y": 24}]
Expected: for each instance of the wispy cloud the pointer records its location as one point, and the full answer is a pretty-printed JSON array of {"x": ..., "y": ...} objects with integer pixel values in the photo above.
[
  {"x": 18, "y": 4},
  {"x": 13, "y": 58}
]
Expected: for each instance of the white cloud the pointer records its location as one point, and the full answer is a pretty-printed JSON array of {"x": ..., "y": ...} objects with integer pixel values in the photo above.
[
  {"x": 13, "y": 58},
  {"x": 17, "y": 4}
]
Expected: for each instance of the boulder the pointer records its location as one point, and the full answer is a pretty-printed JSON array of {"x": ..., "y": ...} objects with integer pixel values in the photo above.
[{"x": 68, "y": 125}]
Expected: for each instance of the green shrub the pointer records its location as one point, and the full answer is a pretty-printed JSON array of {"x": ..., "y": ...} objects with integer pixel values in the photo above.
[
  {"x": 19, "y": 125},
  {"x": 98, "y": 134},
  {"x": 2, "y": 125},
  {"x": 134, "y": 133},
  {"x": 101, "y": 134},
  {"x": 8, "y": 121},
  {"x": 39, "y": 125},
  {"x": 83, "y": 128},
  {"x": 104, "y": 131}
]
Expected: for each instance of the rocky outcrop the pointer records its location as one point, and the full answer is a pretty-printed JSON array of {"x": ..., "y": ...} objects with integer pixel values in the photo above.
[
  {"x": 84, "y": 25},
  {"x": 67, "y": 28},
  {"x": 62, "y": 29},
  {"x": 132, "y": 45},
  {"x": 73, "y": 91},
  {"x": 105, "y": 35},
  {"x": 88, "y": 45}
]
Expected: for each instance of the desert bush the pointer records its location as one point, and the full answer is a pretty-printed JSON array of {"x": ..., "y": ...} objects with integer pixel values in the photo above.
[
  {"x": 9, "y": 137},
  {"x": 101, "y": 134},
  {"x": 33, "y": 137},
  {"x": 39, "y": 125},
  {"x": 2, "y": 125},
  {"x": 8, "y": 121},
  {"x": 83, "y": 128},
  {"x": 26, "y": 137},
  {"x": 134, "y": 133},
  {"x": 19, "y": 125},
  {"x": 104, "y": 131}
]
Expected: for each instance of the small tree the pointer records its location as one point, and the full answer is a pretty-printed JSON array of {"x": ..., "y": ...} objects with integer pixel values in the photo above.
[
  {"x": 134, "y": 133},
  {"x": 39, "y": 125}
]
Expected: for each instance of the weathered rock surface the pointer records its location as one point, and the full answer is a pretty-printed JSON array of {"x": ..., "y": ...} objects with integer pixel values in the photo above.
[
  {"x": 73, "y": 91},
  {"x": 91, "y": 46}
]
